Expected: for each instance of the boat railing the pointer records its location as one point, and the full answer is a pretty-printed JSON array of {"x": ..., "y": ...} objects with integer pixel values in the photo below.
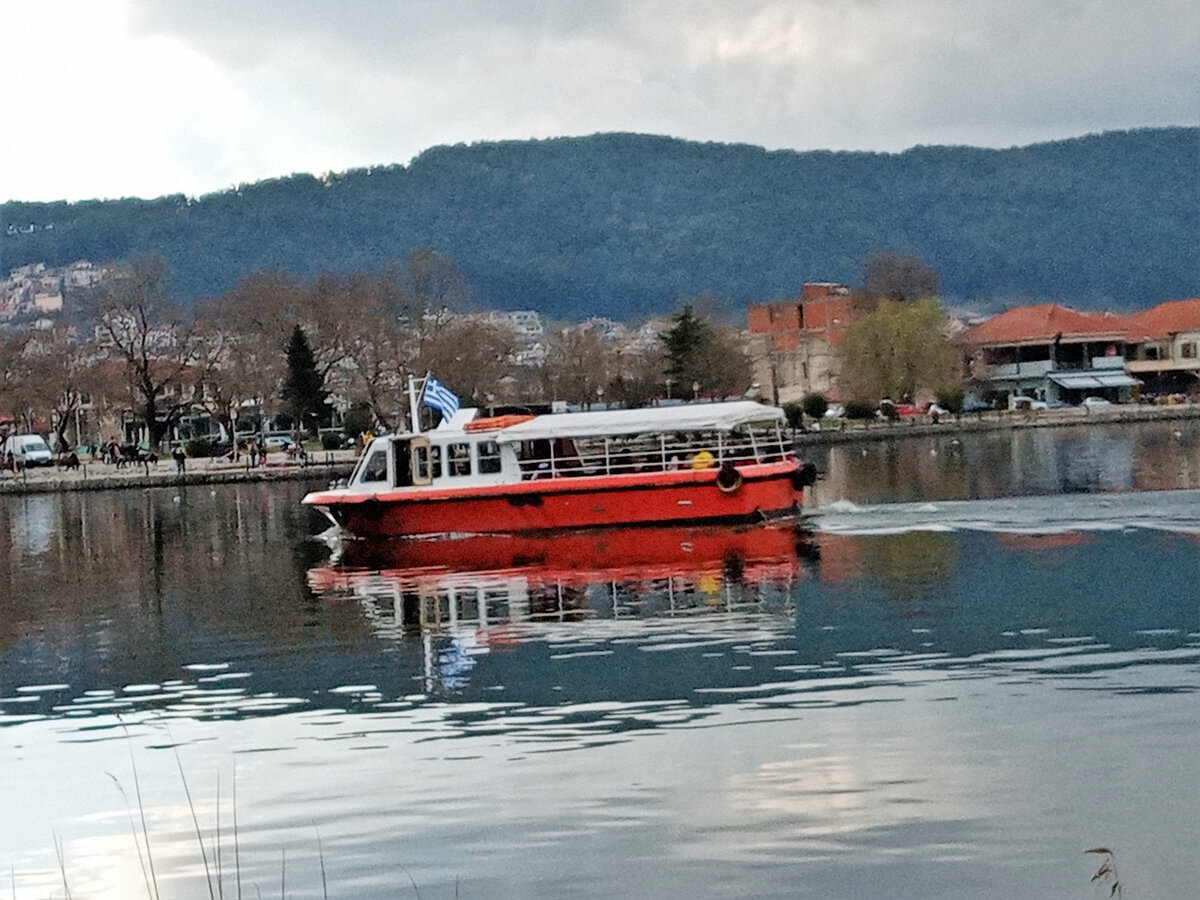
[{"x": 658, "y": 453}]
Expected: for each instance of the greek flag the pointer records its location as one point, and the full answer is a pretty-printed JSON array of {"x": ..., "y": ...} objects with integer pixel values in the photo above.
[{"x": 440, "y": 397}]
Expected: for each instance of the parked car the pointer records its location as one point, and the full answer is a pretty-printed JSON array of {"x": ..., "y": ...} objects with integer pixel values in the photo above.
[
  {"x": 27, "y": 450},
  {"x": 1095, "y": 403}
]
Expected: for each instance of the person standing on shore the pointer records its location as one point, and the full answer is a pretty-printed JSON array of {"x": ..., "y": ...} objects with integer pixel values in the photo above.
[{"x": 180, "y": 458}]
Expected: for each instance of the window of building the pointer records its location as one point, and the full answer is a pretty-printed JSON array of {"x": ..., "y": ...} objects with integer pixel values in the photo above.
[{"x": 1188, "y": 350}]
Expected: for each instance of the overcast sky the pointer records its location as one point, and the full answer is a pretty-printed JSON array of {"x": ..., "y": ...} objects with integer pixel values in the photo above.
[{"x": 114, "y": 98}]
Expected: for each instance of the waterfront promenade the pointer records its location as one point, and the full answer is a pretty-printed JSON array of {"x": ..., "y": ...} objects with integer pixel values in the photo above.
[
  {"x": 97, "y": 476},
  {"x": 844, "y": 430},
  {"x": 330, "y": 465}
]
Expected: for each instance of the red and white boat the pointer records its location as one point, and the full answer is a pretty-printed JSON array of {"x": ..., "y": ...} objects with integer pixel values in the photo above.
[{"x": 526, "y": 474}]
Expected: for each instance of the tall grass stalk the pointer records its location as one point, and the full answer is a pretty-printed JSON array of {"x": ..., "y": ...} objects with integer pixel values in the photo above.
[
  {"x": 195, "y": 822},
  {"x": 237, "y": 850},
  {"x": 151, "y": 889},
  {"x": 62, "y": 865},
  {"x": 321, "y": 857},
  {"x": 1107, "y": 873},
  {"x": 220, "y": 874},
  {"x": 411, "y": 880},
  {"x": 148, "y": 862}
]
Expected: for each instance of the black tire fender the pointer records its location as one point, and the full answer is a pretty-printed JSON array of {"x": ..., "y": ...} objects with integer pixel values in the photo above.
[
  {"x": 804, "y": 476},
  {"x": 729, "y": 479}
]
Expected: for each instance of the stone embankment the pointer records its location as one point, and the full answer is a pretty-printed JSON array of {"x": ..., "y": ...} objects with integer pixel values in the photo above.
[
  {"x": 844, "y": 431},
  {"x": 99, "y": 476}
]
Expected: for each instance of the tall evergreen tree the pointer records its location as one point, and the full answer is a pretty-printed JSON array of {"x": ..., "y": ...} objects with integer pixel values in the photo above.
[
  {"x": 704, "y": 358},
  {"x": 303, "y": 393},
  {"x": 686, "y": 348}
]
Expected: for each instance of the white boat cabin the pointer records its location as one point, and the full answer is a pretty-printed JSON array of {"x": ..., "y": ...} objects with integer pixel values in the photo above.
[{"x": 468, "y": 451}]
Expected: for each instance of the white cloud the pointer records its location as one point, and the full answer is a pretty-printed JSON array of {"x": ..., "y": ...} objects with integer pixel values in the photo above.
[{"x": 166, "y": 96}]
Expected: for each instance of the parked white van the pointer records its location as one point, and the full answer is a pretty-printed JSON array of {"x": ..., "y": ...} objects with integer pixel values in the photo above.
[{"x": 27, "y": 449}]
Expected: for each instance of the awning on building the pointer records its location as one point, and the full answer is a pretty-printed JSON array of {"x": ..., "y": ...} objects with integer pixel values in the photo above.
[
  {"x": 1117, "y": 379},
  {"x": 1080, "y": 381}
]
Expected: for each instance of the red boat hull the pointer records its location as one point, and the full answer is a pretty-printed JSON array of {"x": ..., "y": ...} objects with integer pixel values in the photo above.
[{"x": 760, "y": 491}]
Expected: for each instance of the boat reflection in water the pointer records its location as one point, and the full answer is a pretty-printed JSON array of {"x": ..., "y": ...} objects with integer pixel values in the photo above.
[{"x": 468, "y": 596}]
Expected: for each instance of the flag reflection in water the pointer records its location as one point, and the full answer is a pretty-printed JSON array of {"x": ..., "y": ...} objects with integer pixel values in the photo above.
[{"x": 468, "y": 596}]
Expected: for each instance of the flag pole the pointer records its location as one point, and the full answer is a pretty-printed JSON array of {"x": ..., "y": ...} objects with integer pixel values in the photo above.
[{"x": 414, "y": 401}]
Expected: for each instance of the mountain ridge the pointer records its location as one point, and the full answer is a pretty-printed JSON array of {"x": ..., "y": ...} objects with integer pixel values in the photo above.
[{"x": 626, "y": 225}]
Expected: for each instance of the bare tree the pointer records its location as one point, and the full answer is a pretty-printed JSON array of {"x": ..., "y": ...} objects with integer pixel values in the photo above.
[
  {"x": 637, "y": 375},
  {"x": 13, "y": 375},
  {"x": 469, "y": 354},
  {"x": 139, "y": 324},
  {"x": 579, "y": 364},
  {"x": 58, "y": 377},
  {"x": 901, "y": 278}
]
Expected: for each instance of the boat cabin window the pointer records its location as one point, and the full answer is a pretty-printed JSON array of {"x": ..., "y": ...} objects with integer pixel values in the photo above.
[
  {"x": 459, "y": 456},
  {"x": 422, "y": 473},
  {"x": 543, "y": 458},
  {"x": 425, "y": 464},
  {"x": 488, "y": 453},
  {"x": 375, "y": 468}
]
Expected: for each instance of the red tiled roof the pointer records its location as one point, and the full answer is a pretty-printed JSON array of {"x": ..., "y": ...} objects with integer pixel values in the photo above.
[
  {"x": 1029, "y": 324},
  {"x": 1165, "y": 319}
]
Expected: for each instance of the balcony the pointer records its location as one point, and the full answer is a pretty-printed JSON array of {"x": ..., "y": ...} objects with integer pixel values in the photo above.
[{"x": 1032, "y": 369}]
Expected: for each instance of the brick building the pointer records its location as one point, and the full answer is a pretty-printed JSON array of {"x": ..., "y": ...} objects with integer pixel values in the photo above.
[{"x": 793, "y": 343}]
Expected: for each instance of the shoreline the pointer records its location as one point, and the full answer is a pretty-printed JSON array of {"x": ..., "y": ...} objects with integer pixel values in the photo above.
[
  {"x": 969, "y": 423},
  {"x": 330, "y": 465},
  {"x": 99, "y": 476}
]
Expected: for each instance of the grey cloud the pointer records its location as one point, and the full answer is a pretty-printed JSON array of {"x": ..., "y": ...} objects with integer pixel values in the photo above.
[{"x": 856, "y": 74}]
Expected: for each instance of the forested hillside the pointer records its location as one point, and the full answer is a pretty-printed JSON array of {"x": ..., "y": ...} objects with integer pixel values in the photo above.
[{"x": 624, "y": 225}]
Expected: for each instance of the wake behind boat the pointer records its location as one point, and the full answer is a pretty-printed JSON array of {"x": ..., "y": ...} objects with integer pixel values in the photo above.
[{"x": 537, "y": 473}]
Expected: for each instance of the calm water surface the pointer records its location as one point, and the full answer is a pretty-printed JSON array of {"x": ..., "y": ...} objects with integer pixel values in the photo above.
[{"x": 977, "y": 663}]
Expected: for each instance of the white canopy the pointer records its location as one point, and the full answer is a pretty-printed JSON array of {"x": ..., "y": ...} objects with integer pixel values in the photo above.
[
  {"x": 1094, "y": 379},
  {"x": 652, "y": 420}
]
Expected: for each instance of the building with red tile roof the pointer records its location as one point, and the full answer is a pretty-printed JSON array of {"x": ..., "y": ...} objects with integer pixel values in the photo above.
[
  {"x": 1165, "y": 346},
  {"x": 1048, "y": 353}
]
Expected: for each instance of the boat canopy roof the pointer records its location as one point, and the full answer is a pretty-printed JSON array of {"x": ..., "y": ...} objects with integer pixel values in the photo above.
[{"x": 655, "y": 419}]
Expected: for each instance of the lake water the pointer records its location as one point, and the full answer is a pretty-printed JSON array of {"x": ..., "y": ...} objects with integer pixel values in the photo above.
[{"x": 978, "y": 662}]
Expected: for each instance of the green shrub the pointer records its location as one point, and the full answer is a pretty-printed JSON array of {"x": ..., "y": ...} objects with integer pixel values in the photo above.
[
  {"x": 951, "y": 401},
  {"x": 358, "y": 419},
  {"x": 857, "y": 409},
  {"x": 332, "y": 440},
  {"x": 201, "y": 447},
  {"x": 815, "y": 405},
  {"x": 794, "y": 413}
]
